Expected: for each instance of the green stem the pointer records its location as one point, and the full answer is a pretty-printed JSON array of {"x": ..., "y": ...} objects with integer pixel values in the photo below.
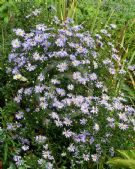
[
  {"x": 96, "y": 15},
  {"x": 109, "y": 17},
  {"x": 3, "y": 42}
]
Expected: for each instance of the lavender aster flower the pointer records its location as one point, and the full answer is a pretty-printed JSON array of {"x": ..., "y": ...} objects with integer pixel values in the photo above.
[{"x": 16, "y": 43}]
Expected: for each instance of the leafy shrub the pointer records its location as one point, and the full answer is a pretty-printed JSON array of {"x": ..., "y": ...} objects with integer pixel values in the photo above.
[{"x": 67, "y": 110}]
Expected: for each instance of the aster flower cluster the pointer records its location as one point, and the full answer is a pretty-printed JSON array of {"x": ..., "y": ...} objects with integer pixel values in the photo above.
[{"x": 65, "y": 99}]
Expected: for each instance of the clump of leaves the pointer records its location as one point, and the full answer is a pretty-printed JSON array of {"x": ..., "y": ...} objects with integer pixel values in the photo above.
[{"x": 126, "y": 159}]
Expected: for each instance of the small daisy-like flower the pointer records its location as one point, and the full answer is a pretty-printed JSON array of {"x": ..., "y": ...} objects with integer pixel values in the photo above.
[
  {"x": 28, "y": 91},
  {"x": 94, "y": 157},
  {"x": 72, "y": 57},
  {"x": 18, "y": 160},
  {"x": 36, "y": 56},
  {"x": 46, "y": 146},
  {"x": 39, "y": 38},
  {"x": 112, "y": 71},
  {"x": 41, "y": 161},
  {"x": 94, "y": 110},
  {"x": 111, "y": 150},
  {"x": 63, "y": 154},
  {"x": 40, "y": 139},
  {"x": 96, "y": 127},
  {"x": 60, "y": 91},
  {"x": 122, "y": 116},
  {"x": 36, "y": 12},
  {"x": 113, "y": 26},
  {"x": 49, "y": 165},
  {"x": 18, "y": 98},
  {"x": 71, "y": 148},
  {"x": 81, "y": 138},
  {"x": 80, "y": 49},
  {"x": 25, "y": 147},
  {"x": 85, "y": 108},
  {"x": 98, "y": 36},
  {"x": 107, "y": 61},
  {"x": 110, "y": 120},
  {"x": 60, "y": 42},
  {"x": 41, "y": 27},
  {"x": 43, "y": 104},
  {"x": 92, "y": 140},
  {"x": 67, "y": 121},
  {"x": 118, "y": 105},
  {"x": 47, "y": 155},
  {"x": 116, "y": 57},
  {"x": 93, "y": 76},
  {"x": 54, "y": 115},
  {"x": 58, "y": 123},
  {"x": 70, "y": 87},
  {"x": 55, "y": 81},
  {"x": 19, "y": 115},
  {"x": 131, "y": 67},
  {"x": 95, "y": 64},
  {"x": 76, "y": 75},
  {"x": 104, "y": 31},
  {"x": 41, "y": 77},
  {"x": 123, "y": 126},
  {"x": 122, "y": 71},
  {"x": 11, "y": 126},
  {"x": 99, "y": 85},
  {"x": 67, "y": 133},
  {"x": 16, "y": 43},
  {"x": 30, "y": 67},
  {"x": 62, "y": 67},
  {"x": 39, "y": 89},
  {"x": 83, "y": 121},
  {"x": 76, "y": 63},
  {"x": 19, "y": 32},
  {"x": 68, "y": 33},
  {"x": 86, "y": 157}
]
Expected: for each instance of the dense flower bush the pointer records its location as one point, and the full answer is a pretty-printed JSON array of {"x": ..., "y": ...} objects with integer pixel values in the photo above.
[{"x": 66, "y": 113}]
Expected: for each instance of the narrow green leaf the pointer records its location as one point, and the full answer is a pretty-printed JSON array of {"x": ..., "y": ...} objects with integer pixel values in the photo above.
[
  {"x": 5, "y": 152},
  {"x": 71, "y": 9},
  {"x": 128, "y": 154},
  {"x": 122, "y": 163},
  {"x": 6, "y": 19}
]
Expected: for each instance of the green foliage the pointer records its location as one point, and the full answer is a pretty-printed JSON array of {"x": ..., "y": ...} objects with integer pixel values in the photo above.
[
  {"x": 93, "y": 15},
  {"x": 7, "y": 10},
  {"x": 61, "y": 8},
  {"x": 127, "y": 159}
]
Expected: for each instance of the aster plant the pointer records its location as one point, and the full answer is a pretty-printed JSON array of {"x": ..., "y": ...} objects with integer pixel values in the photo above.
[{"x": 69, "y": 110}]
